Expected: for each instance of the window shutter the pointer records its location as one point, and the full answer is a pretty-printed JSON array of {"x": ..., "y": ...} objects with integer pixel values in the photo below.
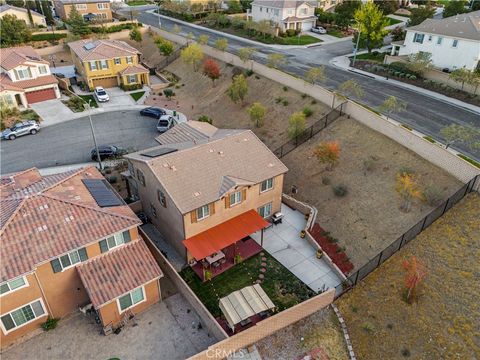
[
  {"x": 83, "y": 254},
  {"x": 90, "y": 66},
  {"x": 103, "y": 246},
  {"x": 193, "y": 216},
  {"x": 244, "y": 194},
  {"x": 126, "y": 236},
  {"x": 212, "y": 208},
  {"x": 56, "y": 266},
  {"x": 227, "y": 201}
]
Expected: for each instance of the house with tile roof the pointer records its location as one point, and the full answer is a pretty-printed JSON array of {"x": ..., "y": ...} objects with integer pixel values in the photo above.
[
  {"x": 22, "y": 14},
  {"x": 287, "y": 14},
  {"x": 207, "y": 190},
  {"x": 454, "y": 42},
  {"x": 108, "y": 63},
  {"x": 91, "y": 10},
  {"x": 69, "y": 241},
  {"x": 25, "y": 78}
]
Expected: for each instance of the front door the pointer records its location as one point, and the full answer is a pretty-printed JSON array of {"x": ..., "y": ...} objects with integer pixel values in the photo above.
[{"x": 18, "y": 99}]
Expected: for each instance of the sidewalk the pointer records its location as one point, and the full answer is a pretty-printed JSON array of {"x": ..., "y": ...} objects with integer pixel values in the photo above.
[{"x": 343, "y": 62}]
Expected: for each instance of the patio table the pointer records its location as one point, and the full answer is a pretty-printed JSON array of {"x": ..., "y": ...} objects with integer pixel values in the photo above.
[{"x": 218, "y": 256}]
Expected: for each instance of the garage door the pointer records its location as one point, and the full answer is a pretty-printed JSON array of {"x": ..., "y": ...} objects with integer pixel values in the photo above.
[
  {"x": 106, "y": 82},
  {"x": 40, "y": 95}
]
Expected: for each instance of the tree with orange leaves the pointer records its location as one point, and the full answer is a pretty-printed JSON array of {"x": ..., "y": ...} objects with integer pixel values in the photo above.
[
  {"x": 212, "y": 70},
  {"x": 408, "y": 190},
  {"x": 415, "y": 274},
  {"x": 328, "y": 153}
]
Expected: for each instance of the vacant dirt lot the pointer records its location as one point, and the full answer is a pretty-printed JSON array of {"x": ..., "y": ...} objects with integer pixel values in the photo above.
[
  {"x": 444, "y": 322},
  {"x": 196, "y": 96},
  {"x": 150, "y": 54},
  {"x": 367, "y": 219},
  {"x": 62, "y": 58},
  {"x": 319, "y": 335}
]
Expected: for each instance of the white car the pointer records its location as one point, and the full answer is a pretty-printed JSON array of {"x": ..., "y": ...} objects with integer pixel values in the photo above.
[
  {"x": 319, "y": 30},
  {"x": 100, "y": 94}
]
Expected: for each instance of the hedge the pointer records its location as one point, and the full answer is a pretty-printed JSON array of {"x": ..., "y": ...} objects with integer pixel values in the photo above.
[
  {"x": 48, "y": 37},
  {"x": 114, "y": 28}
]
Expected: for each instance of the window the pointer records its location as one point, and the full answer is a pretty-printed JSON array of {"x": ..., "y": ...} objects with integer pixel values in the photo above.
[
  {"x": 102, "y": 6},
  {"x": 430, "y": 38},
  {"x": 103, "y": 15},
  {"x": 104, "y": 64},
  {"x": 261, "y": 9},
  {"x": 134, "y": 297},
  {"x": 22, "y": 74},
  {"x": 132, "y": 79},
  {"x": 161, "y": 198},
  {"x": 129, "y": 60},
  {"x": 439, "y": 40},
  {"x": 14, "y": 284},
  {"x": 303, "y": 11},
  {"x": 276, "y": 12},
  {"x": 42, "y": 69},
  {"x": 418, "y": 38},
  {"x": 266, "y": 10},
  {"x": 68, "y": 260},
  {"x": 235, "y": 198},
  {"x": 266, "y": 210},
  {"x": 118, "y": 61},
  {"x": 93, "y": 65},
  {"x": 153, "y": 210},
  {"x": 22, "y": 316},
  {"x": 140, "y": 177},
  {"x": 203, "y": 212},
  {"x": 114, "y": 241},
  {"x": 81, "y": 6},
  {"x": 131, "y": 169},
  {"x": 7, "y": 98},
  {"x": 266, "y": 185},
  {"x": 455, "y": 43}
]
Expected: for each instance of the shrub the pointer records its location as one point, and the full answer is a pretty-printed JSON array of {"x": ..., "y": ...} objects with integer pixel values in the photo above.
[
  {"x": 113, "y": 28},
  {"x": 402, "y": 67},
  {"x": 429, "y": 138},
  {"x": 412, "y": 77},
  {"x": 313, "y": 102},
  {"x": 304, "y": 96},
  {"x": 48, "y": 37},
  {"x": 278, "y": 100},
  {"x": 285, "y": 88},
  {"x": 405, "y": 170},
  {"x": 112, "y": 179},
  {"x": 407, "y": 127},
  {"x": 130, "y": 87},
  {"x": 249, "y": 72},
  {"x": 471, "y": 161},
  {"x": 50, "y": 324},
  {"x": 169, "y": 93},
  {"x": 290, "y": 32},
  {"x": 368, "y": 327},
  {"x": 432, "y": 195},
  {"x": 326, "y": 180},
  {"x": 205, "y": 118},
  {"x": 75, "y": 104},
  {"x": 340, "y": 190},
  {"x": 285, "y": 102},
  {"x": 307, "y": 111},
  {"x": 369, "y": 164}
]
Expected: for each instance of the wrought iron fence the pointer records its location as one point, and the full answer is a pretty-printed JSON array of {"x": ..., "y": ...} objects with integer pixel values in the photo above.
[
  {"x": 310, "y": 132},
  {"x": 416, "y": 229},
  {"x": 170, "y": 58}
]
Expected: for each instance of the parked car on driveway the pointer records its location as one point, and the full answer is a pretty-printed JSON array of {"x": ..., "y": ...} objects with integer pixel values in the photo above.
[
  {"x": 166, "y": 122},
  {"x": 318, "y": 30},
  {"x": 153, "y": 112},
  {"x": 107, "y": 151},
  {"x": 100, "y": 94},
  {"x": 20, "y": 129}
]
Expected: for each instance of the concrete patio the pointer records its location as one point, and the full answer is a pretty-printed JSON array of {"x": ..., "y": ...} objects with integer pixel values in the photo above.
[
  {"x": 284, "y": 243},
  {"x": 168, "y": 330}
]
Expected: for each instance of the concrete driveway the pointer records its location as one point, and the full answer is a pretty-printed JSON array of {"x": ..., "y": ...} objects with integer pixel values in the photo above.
[
  {"x": 118, "y": 97},
  {"x": 284, "y": 243},
  {"x": 52, "y": 111},
  {"x": 168, "y": 330}
]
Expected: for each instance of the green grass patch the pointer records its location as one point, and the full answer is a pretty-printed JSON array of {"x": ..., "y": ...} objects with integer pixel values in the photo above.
[
  {"x": 335, "y": 32},
  {"x": 407, "y": 127},
  {"x": 93, "y": 102},
  {"x": 283, "y": 288},
  {"x": 392, "y": 21},
  {"x": 373, "y": 56},
  {"x": 29, "y": 115},
  {"x": 138, "y": 3},
  {"x": 137, "y": 95},
  {"x": 471, "y": 161},
  {"x": 48, "y": 37},
  {"x": 430, "y": 139},
  {"x": 295, "y": 40}
]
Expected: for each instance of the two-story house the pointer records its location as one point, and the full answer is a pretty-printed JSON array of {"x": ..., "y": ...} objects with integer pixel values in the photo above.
[
  {"x": 22, "y": 14},
  {"x": 108, "y": 63},
  {"x": 25, "y": 77},
  {"x": 454, "y": 42},
  {"x": 287, "y": 14},
  {"x": 207, "y": 190},
  {"x": 67, "y": 241},
  {"x": 91, "y": 10}
]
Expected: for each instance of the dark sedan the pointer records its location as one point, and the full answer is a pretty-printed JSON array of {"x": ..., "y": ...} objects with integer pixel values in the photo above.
[
  {"x": 107, "y": 151},
  {"x": 153, "y": 112}
]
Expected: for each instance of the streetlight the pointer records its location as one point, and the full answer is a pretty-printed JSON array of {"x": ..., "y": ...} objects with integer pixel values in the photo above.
[
  {"x": 356, "y": 46},
  {"x": 87, "y": 105},
  {"x": 158, "y": 13}
]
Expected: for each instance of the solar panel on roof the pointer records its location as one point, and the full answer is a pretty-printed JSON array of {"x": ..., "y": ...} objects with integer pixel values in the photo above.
[
  {"x": 89, "y": 46},
  {"x": 158, "y": 152},
  {"x": 102, "y": 192}
]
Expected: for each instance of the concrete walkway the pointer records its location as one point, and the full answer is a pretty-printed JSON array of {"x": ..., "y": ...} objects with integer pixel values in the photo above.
[
  {"x": 284, "y": 243},
  {"x": 344, "y": 63}
]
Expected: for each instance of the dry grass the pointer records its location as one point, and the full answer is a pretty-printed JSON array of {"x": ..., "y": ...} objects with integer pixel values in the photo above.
[
  {"x": 319, "y": 331},
  {"x": 62, "y": 58},
  {"x": 368, "y": 218},
  {"x": 444, "y": 322}
]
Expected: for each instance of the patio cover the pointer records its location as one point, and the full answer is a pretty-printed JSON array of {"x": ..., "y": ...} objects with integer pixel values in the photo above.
[
  {"x": 224, "y": 234},
  {"x": 244, "y": 303}
]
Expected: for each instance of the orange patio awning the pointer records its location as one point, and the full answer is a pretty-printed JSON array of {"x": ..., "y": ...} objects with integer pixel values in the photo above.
[{"x": 218, "y": 237}]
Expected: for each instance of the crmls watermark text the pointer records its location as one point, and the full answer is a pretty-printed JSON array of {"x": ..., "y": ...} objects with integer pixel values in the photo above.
[{"x": 223, "y": 353}]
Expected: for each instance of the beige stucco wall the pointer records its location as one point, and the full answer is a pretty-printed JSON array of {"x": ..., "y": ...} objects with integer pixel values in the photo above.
[
  {"x": 63, "y": 10},
  {"x": 37, "y": 19}
]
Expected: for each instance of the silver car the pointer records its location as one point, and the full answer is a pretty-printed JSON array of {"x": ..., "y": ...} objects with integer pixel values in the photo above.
[
  {"x": 165, "y": 122},
  {"x": 20, "y": 129}
]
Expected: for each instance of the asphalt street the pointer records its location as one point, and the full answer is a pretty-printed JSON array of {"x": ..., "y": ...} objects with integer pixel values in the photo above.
[
  {"x": 424, "y": 113},
  {"x": 71, "y": 142}
]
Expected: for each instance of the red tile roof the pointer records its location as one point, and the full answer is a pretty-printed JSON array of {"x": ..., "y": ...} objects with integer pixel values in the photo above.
[
  {"x": 12, "y": 57},
  {"x": 133, "y": 69},
  {"x": 102, "y": 49},
  {"x": 118, "y": 271},
  {"x": 44, "y": 217},
  {"x": 26, "y": 84}
]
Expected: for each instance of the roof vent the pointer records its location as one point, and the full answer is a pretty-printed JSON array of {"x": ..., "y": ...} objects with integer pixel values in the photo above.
[
  {"x": 165, "y": 165},
  {"x": 245, "y": 139},
  {"x": 68, "y": 218},
  {"x": 196, "y": 194},
  {"x": 211, "y": 150},
  {"x": 270, "y": 165},
  {"x": 42, "y": 228},
  {"x": 220, "y": 153},
  {"x": 89, "y": 46},
  {"x": 43, "y": 207},
  {"x": 173, "y": 168}
]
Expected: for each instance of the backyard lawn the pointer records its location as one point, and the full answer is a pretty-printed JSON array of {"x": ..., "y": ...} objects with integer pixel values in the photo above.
[
  {"x": 444, "y": 321},
  {"x": 283, "y": 288}
]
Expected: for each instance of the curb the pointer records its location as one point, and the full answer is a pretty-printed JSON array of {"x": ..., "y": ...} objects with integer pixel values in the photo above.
[{"x": 351, "y": 353}]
